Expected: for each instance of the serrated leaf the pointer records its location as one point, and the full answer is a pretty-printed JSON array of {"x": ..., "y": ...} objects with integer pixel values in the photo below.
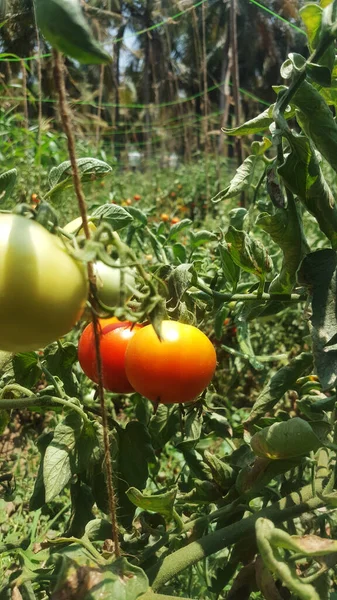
[
  {"x": 7, "y": 183},
  {"x": 57, "y": 463},
  {"x": 115, "y": 215},
  {"x": 63, "y": 24}
]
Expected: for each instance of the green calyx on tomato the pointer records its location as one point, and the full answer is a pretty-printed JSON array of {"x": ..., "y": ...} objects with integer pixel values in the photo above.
[{"x": 43, "y": 289}]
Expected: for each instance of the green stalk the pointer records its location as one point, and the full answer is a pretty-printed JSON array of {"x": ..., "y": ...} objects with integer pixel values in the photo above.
[{"x": 279, "y": 512}]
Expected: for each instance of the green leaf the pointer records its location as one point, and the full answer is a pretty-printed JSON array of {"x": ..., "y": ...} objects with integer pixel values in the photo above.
[
  {"x": 237, "y": 217},
  {"x": 201, "y": 237},
  {"x": 241, "y": 181},
  {"x": 137, "y": 214},
  {"x": 287, "y": 439},
  {"x": 259, "y": 148},
  {"x": 115, "y": 215},
  {"x": 133, "y": 441},
  {"x": 163, "y": 425},
  {"x": 245, "y": 345},
  {"x": 278, "y": 385},
  {"x": 7, "y": 183},
  {"x": 89, "y": 170},
  {"x": 311, "y": 15},
  {"x": 223, "y": 474},
  {"x": 64, "y": 26},
  {"x": 178, "y": 227},
  {"x": 219, "y": 318},
  {"x": 191, "y": 429},
  {"x": 82, "y": 502},
  {"x": 249, "y": 254},
  {"x": 319, "y": 74},
  {"x": 180, "y": 279},
  {"x": 26, "y": 368},
  {"x": 179, "y": 252},
  {"x": 60, "y": 359},
  {"x": 256, "y": 125},
  {"x": 57, "y": 463},
  {"x": 317, "y": 121},
  {"x": 98, "y": 530},
  {"x": 319, "y": 273},
  {"x": 286, "y": 230},
  {"x": 38, "y": 497},
  {"x": 303, "y": 176},
  {"x": 159, "y": 503},
  {"x": 230, "y": 269}
]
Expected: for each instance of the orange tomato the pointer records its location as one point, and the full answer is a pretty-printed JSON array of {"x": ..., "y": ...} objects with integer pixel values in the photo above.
[
  {"x": 35, "y": 199},
  {"x": 137, "y": 197},
  {"x": 175, "y": 220},
  {"x": 164, "y": 217},
  {"x": 128, "y": 201},
  {"x": 114, "y": 339},
  {"x": 176, "y": 369}
]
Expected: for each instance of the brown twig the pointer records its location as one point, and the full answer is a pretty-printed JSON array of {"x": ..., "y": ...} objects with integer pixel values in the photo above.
[{"x": 66, "y": 122}]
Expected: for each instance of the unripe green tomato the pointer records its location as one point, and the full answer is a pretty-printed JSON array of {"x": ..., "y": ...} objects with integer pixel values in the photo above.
[
  {"x": 43, "y": 289},
  {"x": 108, "y": 282}
]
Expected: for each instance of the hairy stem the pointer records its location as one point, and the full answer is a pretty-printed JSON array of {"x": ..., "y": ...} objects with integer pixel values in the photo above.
[{"x": 292, "y": 506}]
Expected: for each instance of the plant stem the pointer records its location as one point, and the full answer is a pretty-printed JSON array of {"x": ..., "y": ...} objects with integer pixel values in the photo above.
[
  {"x": 12, "y": 403},
  {"x": 110, "y": 487},
  {"x": 279, "y": 512},
  {"x": 249, "y": 297},
  {"x": 66, "y": 122}
]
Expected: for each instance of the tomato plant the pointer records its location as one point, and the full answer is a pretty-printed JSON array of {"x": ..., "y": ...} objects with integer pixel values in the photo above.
[
  {"x": 114, "y": 338},
  {"x": 43, "y": 288},
  {"x": 176, "y": 368}
]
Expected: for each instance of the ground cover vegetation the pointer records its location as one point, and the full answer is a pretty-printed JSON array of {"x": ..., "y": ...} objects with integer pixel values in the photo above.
[{"x": 167, "y": 336}]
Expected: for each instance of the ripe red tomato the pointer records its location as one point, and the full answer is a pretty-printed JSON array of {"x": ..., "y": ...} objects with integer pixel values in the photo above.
[
  {"x": 176, "y": 369},
  {"x": 114, "y": 338},
  {"x": 137, "y": 197},
  {"x": 175, "y": 220}
]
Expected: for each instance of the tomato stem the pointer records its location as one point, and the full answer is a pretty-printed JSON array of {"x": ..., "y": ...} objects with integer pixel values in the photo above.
[{"x": 66, "y": 122}]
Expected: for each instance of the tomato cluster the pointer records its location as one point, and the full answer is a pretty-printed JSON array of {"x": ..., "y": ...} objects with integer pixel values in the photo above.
[{"x": 176, "y": 368}]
